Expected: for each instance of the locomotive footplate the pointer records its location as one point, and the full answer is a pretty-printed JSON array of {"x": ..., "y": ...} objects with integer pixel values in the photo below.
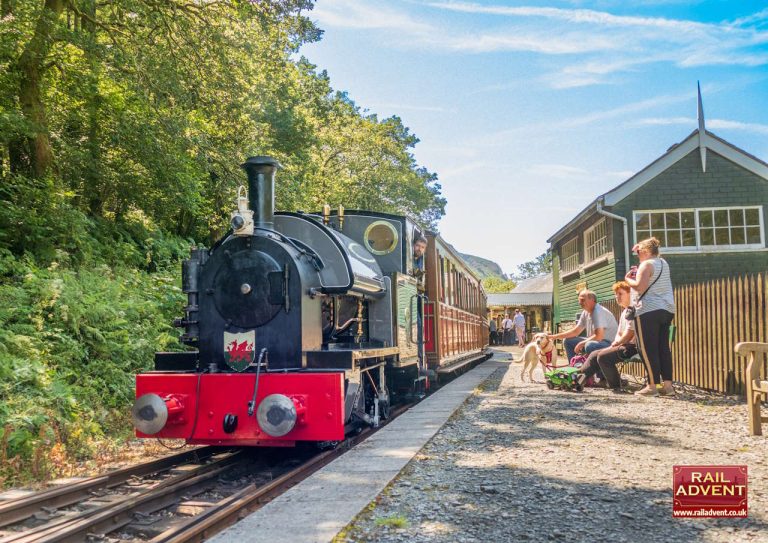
[{"x": 351, "y": 359}]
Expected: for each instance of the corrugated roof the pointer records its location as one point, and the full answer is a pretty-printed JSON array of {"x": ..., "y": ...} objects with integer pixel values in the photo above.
[
  {"x": 512, "y": 299},
  {"x": 540, "y": 283}
]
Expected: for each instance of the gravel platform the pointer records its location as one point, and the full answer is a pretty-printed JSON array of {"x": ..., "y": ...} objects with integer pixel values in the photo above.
[{"x": 521, "y": 463}]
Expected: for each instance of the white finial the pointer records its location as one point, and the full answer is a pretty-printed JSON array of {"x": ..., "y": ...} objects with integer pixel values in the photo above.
[{"x": 702, "y": 133}]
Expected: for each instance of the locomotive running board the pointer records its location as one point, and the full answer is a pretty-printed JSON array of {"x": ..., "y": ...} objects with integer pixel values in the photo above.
[{"x": 462, "y": 363}]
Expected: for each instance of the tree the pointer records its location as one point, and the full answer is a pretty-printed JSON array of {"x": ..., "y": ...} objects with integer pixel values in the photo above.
[
  {"x": 498, "y": 285},
  {"x": 149, "y": 107},
  {"x": 539, "y": 265}
]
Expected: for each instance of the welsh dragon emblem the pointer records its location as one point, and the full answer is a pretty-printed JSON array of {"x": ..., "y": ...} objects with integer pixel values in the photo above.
[{"x": 239, "y": 349}]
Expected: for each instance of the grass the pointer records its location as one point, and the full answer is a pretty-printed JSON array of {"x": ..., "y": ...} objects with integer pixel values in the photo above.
[{"x": 392, "y": 521}]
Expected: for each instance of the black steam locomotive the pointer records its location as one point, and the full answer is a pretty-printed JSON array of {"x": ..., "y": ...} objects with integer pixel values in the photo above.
[{"x": 305, "y": 326}]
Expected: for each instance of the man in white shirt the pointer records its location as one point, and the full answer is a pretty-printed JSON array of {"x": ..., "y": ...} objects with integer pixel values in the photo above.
[
  {"x": 519, "y": 322},
  {"x": 598, "y": 324},
  {"x": 506, "y": 326}
]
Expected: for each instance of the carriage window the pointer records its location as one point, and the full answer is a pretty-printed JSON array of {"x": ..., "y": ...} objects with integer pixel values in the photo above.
[{"x": 380, "y": 238}]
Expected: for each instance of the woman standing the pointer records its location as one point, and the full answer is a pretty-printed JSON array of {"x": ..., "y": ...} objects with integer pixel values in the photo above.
[{"x": 654, "y": 309}]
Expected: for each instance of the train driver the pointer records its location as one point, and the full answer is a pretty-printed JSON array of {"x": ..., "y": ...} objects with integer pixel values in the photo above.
[{"x": 419, "y": 248}]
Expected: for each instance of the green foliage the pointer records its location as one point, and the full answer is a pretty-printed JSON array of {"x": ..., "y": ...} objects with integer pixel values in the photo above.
[
  {"x": 70, "y": 342},
  {"x": 497, "y": 285},
  {"x": 539, "y": 265},
  {"x": 122, "y": 125}
]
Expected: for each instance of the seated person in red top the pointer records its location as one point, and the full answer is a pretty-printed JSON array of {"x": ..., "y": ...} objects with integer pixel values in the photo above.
[{"x": 623, "y": 346}]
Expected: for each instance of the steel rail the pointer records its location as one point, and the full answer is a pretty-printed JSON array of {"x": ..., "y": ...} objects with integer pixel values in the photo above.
[
  {"x": 229, "y": 510},
  {"x": 75, "y": 527},
  {"x": 18, "y": 509}
]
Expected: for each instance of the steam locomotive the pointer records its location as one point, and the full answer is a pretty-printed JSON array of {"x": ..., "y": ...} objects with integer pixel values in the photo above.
[{"x": 305, "y": 327}]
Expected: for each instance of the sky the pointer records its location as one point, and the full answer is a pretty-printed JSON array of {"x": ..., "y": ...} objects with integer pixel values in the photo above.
[{"x": 527, "y": 111}]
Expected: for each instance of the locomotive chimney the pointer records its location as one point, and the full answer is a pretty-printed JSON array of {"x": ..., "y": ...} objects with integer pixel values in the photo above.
[{"x": 261, "y": 188}]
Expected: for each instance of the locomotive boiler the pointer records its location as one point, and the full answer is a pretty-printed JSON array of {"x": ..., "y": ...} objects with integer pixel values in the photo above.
[{"x": 302, "y": 327}]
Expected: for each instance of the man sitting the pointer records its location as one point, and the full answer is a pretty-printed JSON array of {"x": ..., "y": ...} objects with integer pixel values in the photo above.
[
  {"x": 623, "y": 346},
  {"x": 598, "y": 324}
]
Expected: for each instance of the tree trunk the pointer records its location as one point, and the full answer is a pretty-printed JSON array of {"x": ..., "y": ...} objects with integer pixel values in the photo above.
[
  {"x": 93, "y": 178},
  {"x": 31, "y": 68}
]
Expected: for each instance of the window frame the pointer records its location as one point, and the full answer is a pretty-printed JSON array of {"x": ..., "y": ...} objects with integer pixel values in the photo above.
[
  {"x": 564, "y": 259},
  {"x": 703, "y": 249},
  {"x": 589, "y": 259}
]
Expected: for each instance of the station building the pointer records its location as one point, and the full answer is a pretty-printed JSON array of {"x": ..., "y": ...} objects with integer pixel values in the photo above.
[
  {"x": 533, "y": 297},
  {"x": 704, "y": 199}
]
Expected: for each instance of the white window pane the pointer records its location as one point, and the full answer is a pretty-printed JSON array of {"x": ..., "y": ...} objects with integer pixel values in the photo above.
[
  {"x": 752, "y": 217},
  {"x": 722, "y": 237},
  {"x": 721, "y": 217},
  {"x": 753, "y": 234},
  {"x": 687, "y": 220},
  {"x": 661, "y": 236},
  {"x": 642, "y": 221},
  {"x": 673, "y": 220},
  {"x": 674, "y": 238},
  {"x": 657, "y": 221},
  {"x": 737, "y": 236},
  {"x": 736, "y": 217},
  {"x": 705, "y": 218},
  {"x": 689, "y": 238},
  {"x": 707, "y": 236}
]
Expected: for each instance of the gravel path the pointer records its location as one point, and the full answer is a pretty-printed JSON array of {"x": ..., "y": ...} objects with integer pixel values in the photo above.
[{"x": 519, "y": 462}]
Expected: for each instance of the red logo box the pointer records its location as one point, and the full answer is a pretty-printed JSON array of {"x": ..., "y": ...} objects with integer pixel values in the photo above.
[{"x": 709, "y": 491}]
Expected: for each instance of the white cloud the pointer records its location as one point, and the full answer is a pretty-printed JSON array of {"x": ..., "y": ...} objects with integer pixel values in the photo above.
[
  {"x": 620, "y": 42},
  {"x": 610, "y": 43},
  {"x": 666, "y": 121},
  {"x": 362, "y": 15},
  {"x": 409, "y": 107},
  {"x": 737, "y": 125},
  {"x": 577, "y": 16},
  {"x": 713, "y": 124},
  {"x": 557, "y": 171}
]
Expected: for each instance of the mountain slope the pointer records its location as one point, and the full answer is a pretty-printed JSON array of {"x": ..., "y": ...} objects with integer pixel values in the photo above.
[{"x": 483, "y": 267}]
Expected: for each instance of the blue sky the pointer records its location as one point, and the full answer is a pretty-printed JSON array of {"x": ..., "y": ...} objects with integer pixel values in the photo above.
[{"x": 528, "y": 110}]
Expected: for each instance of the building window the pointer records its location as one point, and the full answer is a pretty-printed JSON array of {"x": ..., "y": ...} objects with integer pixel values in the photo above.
[
  {"x": 730, "y": 228},
  {"x": 674, "y": 229},
  {"x": 703, "y": 229},
  {"x": 570, "y": 255},
  {"x": 595, "y": 241}
]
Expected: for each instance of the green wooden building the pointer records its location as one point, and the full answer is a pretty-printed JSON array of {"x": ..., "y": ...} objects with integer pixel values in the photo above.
[{"x": 705, "y": 199}]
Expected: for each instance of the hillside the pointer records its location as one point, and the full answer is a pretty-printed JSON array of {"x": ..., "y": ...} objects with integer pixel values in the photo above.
[{"x": 483, "y": 267}]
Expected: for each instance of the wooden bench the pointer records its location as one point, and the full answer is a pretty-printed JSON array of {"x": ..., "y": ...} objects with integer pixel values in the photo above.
[
  {"x": 637, "y": 359},
  {"x": 757, "y": 386}
]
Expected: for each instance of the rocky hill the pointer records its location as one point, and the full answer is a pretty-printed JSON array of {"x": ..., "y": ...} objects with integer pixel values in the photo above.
[{"x": 483, "y": 267}]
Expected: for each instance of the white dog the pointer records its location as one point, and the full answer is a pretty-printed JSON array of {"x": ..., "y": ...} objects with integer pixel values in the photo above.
[{"x": 541, "y": 350}]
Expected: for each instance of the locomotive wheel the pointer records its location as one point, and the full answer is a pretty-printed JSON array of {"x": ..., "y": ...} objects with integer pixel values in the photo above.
[
  {"x": 578, "y": 387},
  {"x": 550, "y": 385}
]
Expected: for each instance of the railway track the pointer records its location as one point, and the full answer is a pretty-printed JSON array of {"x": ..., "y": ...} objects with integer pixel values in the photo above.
[{"x": 183, "y": 497}]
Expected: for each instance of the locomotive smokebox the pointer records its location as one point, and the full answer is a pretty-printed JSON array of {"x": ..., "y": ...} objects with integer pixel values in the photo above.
[{"x": 261, "y": 188}]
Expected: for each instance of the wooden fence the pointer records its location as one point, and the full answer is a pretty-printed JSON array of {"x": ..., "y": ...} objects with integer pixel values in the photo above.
[{"x": 711, "y": 318}]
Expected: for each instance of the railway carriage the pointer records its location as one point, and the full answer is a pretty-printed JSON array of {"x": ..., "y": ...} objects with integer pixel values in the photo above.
[
  {"x": 305, "y": 327},
  {"x": 456, "y": 328}
]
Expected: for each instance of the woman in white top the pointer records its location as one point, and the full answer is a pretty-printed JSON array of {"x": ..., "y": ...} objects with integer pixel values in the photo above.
[{"x": 654, "y": 309}]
